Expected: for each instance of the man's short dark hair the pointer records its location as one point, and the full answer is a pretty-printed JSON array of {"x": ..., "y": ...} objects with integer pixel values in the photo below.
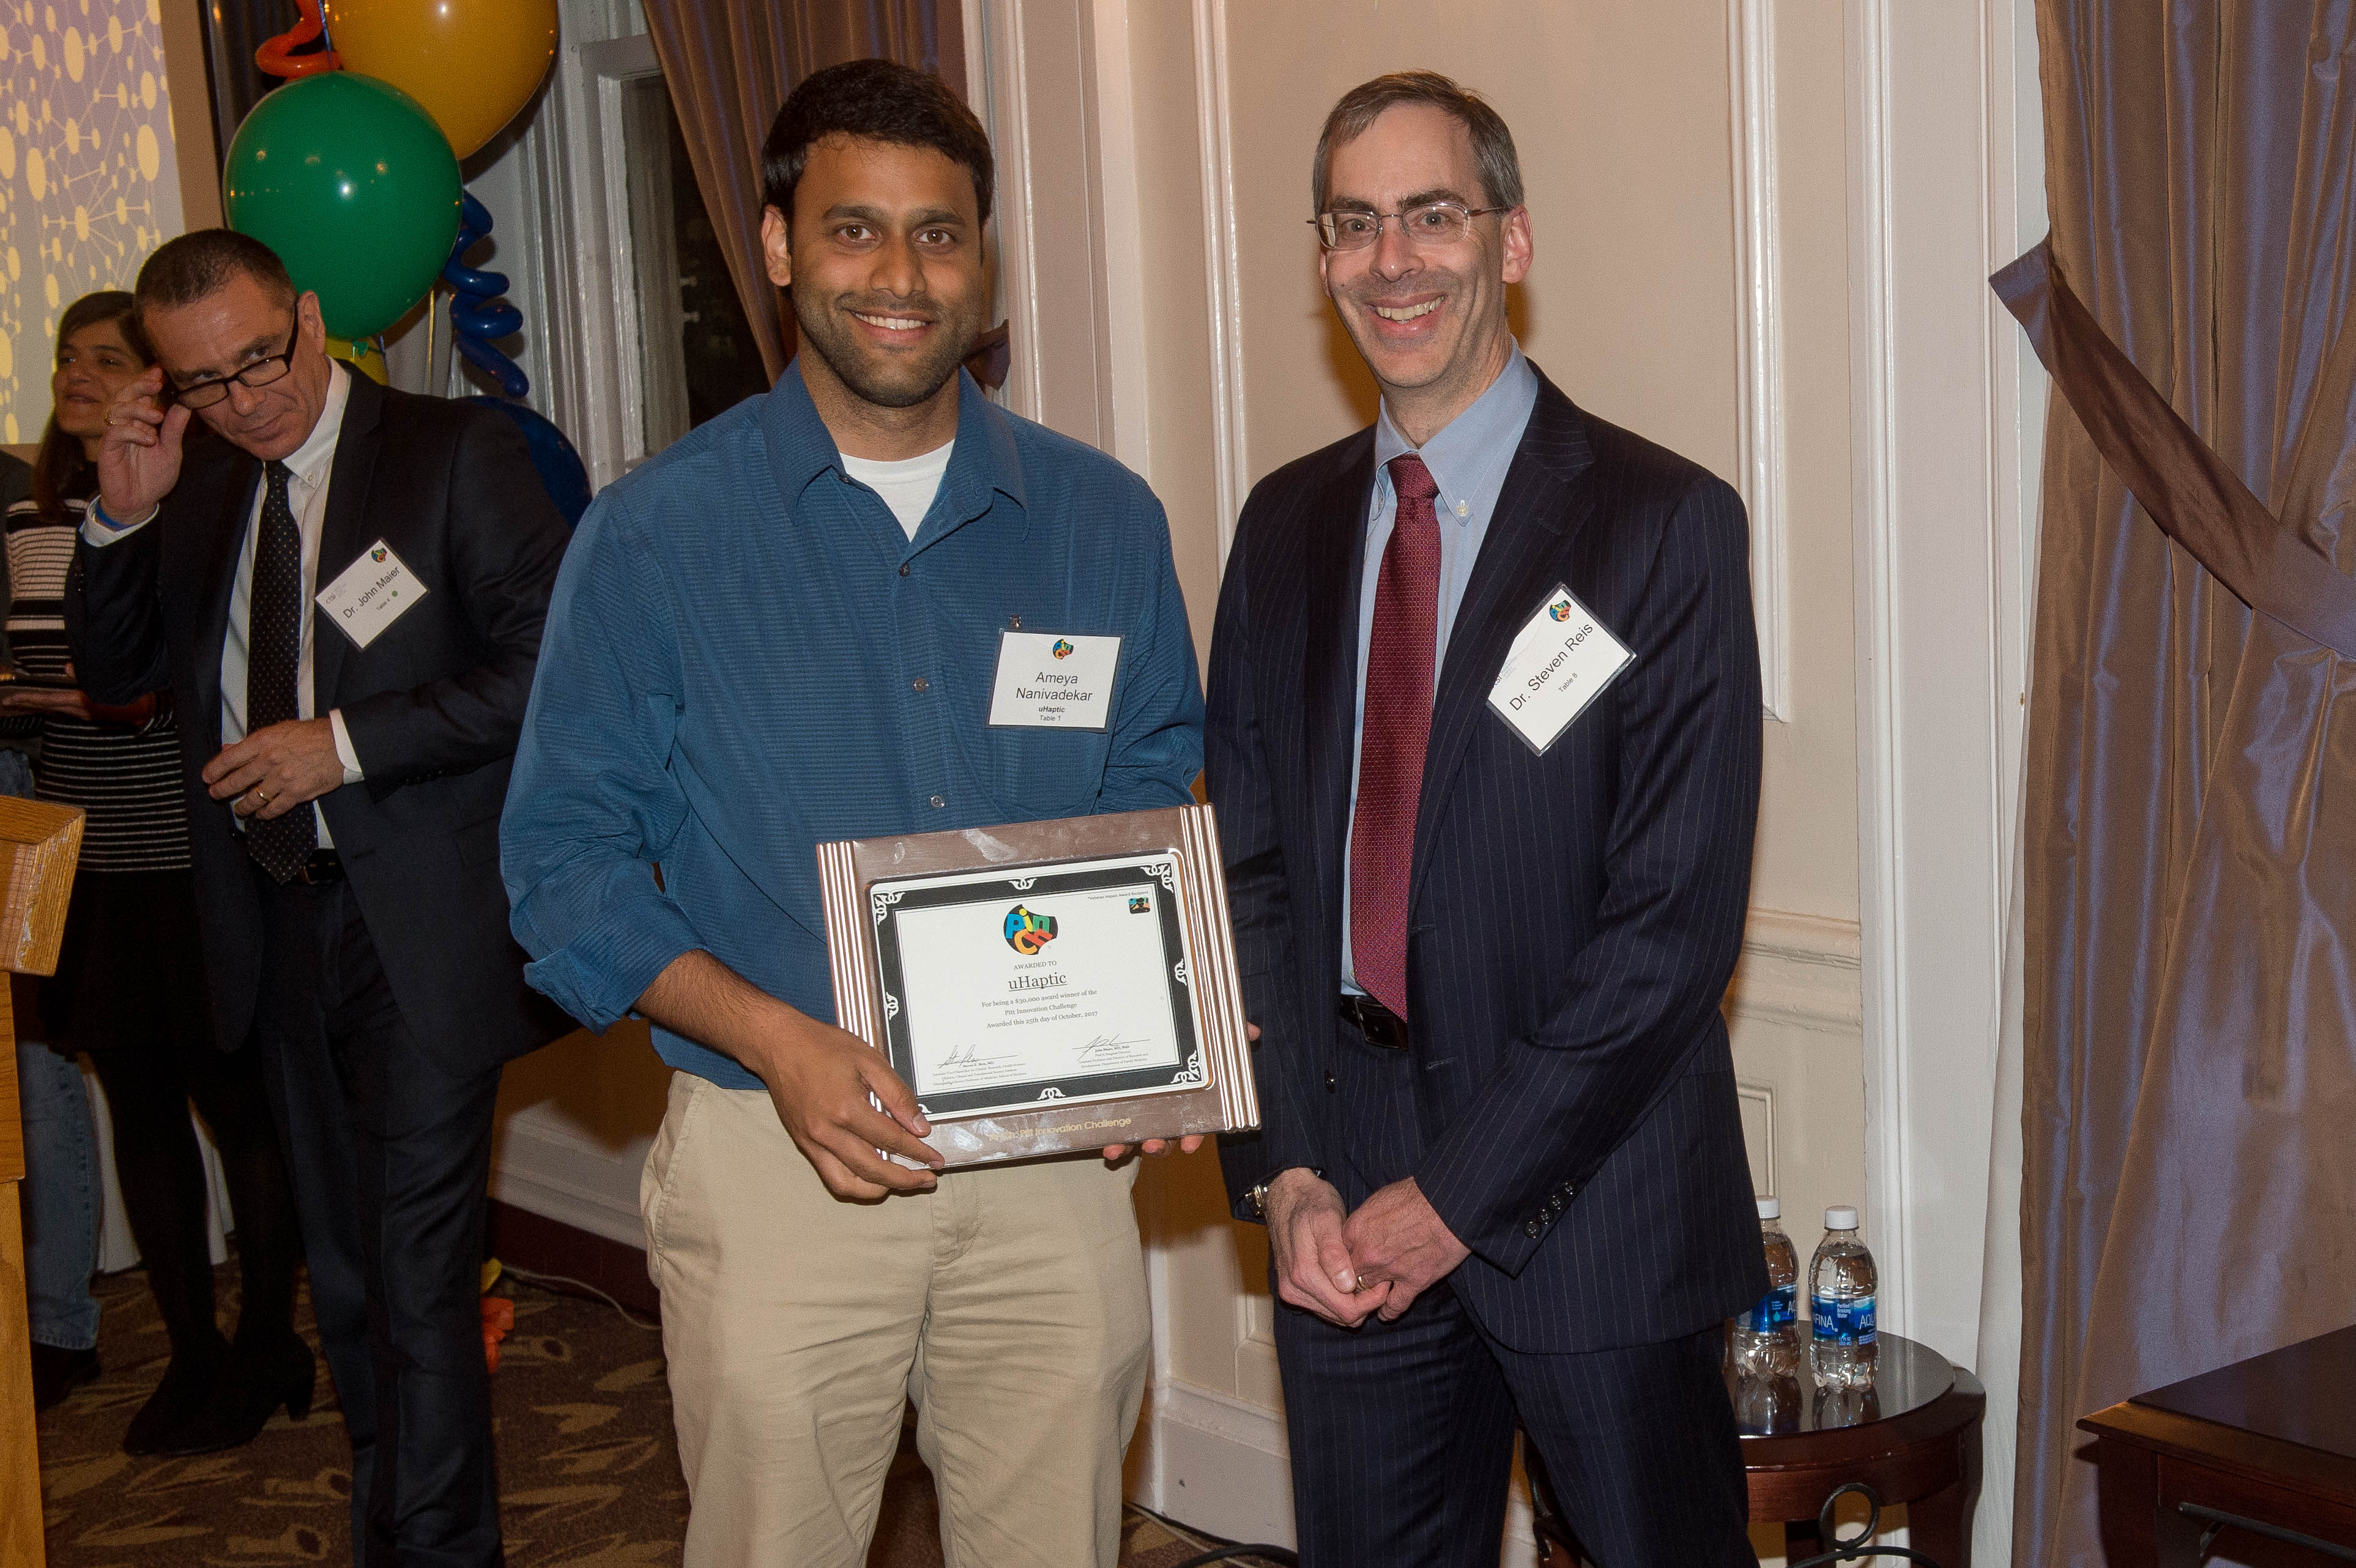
[
  {"x": 1493, "y": 145},
  {"x": 882, "y": 100},
  {"x": 188, "y": 268}
]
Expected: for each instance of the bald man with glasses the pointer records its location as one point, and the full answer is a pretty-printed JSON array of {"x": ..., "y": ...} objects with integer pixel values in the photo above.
[{"x": 342, "y": 589}]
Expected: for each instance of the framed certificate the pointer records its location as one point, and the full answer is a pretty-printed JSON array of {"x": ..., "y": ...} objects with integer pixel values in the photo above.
[{"x": 1046, "y": 987}]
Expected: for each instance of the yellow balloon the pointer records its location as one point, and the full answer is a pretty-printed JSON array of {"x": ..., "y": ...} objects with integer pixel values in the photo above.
[
  {"x": 364, "y": 357},
  {"x": 472, "y": 63}
]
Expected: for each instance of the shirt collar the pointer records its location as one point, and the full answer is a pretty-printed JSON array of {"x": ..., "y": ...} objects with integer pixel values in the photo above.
[
  {"x": 309, "y": 461},
  {"x": 1471, "y": 451},
  {"x": 801, "y": 447}
]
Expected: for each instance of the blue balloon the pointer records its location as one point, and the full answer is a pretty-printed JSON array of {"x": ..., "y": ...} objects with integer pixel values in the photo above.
[
  {"x": 477, "y": 313},
  {"x": 562, "y": 472}
]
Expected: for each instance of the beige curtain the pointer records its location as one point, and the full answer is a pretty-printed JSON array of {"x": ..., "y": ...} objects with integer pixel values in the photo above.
[
  {"x": 2189, "y": 1047},
  {"x": 730, "y": 63}
]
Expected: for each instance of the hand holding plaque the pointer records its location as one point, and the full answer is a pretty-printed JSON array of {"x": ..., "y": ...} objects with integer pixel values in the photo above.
[
  {"x": 844, "y": 1107},
  {"x": 1046, "y": 987}
]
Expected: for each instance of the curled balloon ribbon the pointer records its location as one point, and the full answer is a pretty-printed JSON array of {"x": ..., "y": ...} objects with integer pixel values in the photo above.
[
  {"x": 276, "y": 55},
  {"x": 477, "y": 313}
]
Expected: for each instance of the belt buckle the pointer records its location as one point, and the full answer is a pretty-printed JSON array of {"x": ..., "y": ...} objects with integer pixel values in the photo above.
[{"x": 1376, "y": 1023}]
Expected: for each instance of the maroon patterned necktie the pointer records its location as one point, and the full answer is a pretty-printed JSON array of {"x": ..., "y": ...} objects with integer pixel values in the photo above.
[{"x": 1396, "y": 725}]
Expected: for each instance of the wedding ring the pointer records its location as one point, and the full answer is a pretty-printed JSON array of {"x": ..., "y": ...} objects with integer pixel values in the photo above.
[{"x": 261, "y": 797}]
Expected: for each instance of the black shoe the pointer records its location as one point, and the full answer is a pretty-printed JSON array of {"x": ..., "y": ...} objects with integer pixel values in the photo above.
[
  {"x": 254, "y": 1384},
  {"x": 57, "y": 1372},
  {"x": 188, "y": 1382}
]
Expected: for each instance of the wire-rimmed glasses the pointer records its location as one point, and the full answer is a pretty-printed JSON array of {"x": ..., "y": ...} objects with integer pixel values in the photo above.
[{"x": 1432, "y": 223}]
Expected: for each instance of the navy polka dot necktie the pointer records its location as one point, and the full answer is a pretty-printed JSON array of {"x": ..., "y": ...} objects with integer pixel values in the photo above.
[{"x": 273, "y": 660}]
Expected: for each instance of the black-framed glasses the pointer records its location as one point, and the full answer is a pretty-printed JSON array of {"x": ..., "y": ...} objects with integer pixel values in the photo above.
[
  {"x": 261, "y": 373},
  {"x": 1433, "y": 223}
]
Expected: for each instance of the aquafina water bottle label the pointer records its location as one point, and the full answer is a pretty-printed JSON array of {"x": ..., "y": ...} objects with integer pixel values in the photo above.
[
  {"x": 1841, "y": 1322},
  {"x": 1776, "y": 1309}
]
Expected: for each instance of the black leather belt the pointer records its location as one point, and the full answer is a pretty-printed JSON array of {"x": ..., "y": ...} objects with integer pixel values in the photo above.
[
  {"x": 1379, "y": 1024},
  {"x": 325, "y": 865}
]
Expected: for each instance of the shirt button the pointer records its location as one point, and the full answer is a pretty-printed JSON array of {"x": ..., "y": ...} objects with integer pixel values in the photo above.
[
  {"x": 904, "y": 568},
  {"x": 939, "y": 803},
  {"x": 1463, "y": 510},
  {"x": 921, "y": 684}
]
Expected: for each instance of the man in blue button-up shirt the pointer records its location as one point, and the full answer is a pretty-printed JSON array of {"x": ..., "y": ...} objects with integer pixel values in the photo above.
[{"x": 784, "y": 632}]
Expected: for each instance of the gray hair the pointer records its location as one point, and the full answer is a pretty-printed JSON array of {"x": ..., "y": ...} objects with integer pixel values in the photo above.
[{"x": 1492, "y": 143}]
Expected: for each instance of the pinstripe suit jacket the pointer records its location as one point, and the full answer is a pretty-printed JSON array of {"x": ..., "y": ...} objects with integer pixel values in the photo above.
[{"x": 1573, "y": 917}]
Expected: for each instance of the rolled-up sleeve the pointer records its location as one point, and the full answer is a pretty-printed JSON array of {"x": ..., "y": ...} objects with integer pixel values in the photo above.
[{"x": 593, "y": 805}]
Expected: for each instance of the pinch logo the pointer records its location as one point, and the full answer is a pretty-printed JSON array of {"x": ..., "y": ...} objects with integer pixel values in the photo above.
[
  {"x": 378, "y": 554},
  {"x": 1062, "y": 650},
  {"x": 1559, "y": 609},
  {"x": 1026, "y": 933}
]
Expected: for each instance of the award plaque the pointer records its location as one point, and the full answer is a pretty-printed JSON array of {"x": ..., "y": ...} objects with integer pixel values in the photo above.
[{"x": 1045, "y": 987}]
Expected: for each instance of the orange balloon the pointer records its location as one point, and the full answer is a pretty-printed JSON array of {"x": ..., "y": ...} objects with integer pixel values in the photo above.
[{"x": 472, "y": 63}]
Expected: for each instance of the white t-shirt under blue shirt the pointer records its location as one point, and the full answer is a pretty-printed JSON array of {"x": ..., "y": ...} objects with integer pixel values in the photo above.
[{"x": 908, "y": 486}]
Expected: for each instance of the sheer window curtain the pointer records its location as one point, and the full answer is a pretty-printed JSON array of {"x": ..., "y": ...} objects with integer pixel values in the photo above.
[
  {"x": 2184, "y": 1058},
  {"x": 730, "y": 63}
]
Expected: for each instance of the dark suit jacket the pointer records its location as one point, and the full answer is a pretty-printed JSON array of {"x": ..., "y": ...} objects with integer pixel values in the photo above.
[
  {"x": 1574, "y": 916},
  {"x": 434, "y": 704}
]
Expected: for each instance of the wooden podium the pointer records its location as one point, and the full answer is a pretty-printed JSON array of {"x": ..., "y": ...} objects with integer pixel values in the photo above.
[{"x": 39, "y": 845}]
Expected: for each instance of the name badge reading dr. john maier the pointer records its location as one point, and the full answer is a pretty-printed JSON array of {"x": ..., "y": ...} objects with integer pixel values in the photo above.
[
  {"x": 371, "y": 594},
  {"x": 1558, "y": 662},
  {"x": 1049, "y": 680}
]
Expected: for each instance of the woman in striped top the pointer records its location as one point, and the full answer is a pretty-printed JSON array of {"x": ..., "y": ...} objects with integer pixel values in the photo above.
[{"x": 130, "y": 986}]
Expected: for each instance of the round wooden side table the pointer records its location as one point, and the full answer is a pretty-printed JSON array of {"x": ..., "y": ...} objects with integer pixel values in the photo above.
[{"x": 1913, "y": 1437}]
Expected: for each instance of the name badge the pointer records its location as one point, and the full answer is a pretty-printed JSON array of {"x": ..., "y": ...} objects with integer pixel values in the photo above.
[
  {"x": 373, "y": 592},
  {"x": 1557, "y": 665},
  {"x": 1053, "y": 680}
]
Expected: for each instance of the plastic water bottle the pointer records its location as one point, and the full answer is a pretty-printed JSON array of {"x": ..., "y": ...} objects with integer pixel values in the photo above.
[
  {"x": 1840, "y": 1297},
  {"x": 1766, "y": 1339}
]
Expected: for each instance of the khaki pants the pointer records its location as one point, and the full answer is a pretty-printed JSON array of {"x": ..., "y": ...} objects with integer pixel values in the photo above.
[{"x": 1008, "y": 1305}]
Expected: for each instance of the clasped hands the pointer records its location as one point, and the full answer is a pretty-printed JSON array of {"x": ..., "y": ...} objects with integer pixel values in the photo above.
[{"x": 1345, "y": 1267}]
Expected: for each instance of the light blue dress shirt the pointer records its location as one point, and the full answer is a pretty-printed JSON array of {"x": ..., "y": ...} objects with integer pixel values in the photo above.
[{"x": 1468, "y": 459}]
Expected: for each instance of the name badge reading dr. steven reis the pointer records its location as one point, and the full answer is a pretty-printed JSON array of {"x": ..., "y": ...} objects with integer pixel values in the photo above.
[
  {"x": 373, "y": 592},
  {"x": 1558, "y": 663},
  {"x": 1049, "y": 680}
]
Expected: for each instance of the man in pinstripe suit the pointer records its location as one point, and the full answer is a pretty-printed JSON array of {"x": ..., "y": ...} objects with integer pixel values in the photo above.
[{"x": 1485, "y": 737}]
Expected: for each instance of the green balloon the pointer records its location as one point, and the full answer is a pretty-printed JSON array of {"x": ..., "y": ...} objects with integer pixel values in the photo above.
[{"x": 350, "y": 181}]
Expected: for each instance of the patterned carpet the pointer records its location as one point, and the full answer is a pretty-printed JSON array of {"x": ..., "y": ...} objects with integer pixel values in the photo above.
[{"x": 589, "y": 1471}]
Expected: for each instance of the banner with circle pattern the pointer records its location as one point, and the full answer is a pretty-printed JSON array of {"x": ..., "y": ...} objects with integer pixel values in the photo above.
[{"x": 87, "y": 183}]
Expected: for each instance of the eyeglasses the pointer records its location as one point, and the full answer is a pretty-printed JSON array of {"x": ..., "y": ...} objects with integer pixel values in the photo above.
[
  {"x": 261, "y": 373},
  {"x": 1433, "y": 223}
]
